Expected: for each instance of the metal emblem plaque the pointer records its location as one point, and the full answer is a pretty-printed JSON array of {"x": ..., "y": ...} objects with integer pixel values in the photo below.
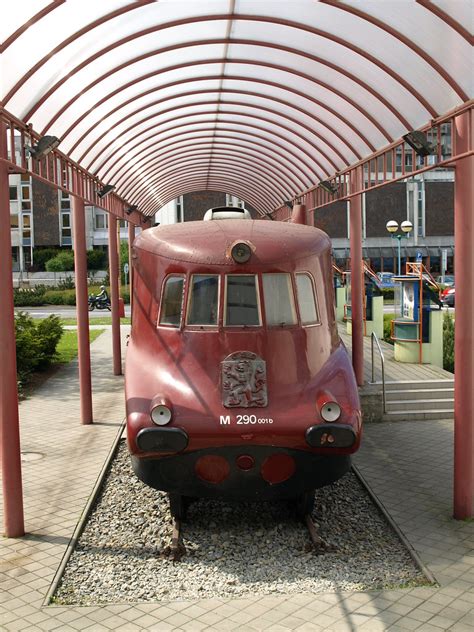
[{"x": 244, "y": 380}]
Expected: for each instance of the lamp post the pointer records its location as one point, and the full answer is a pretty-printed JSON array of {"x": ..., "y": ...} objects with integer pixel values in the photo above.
[{"x": 406, "y": 227}]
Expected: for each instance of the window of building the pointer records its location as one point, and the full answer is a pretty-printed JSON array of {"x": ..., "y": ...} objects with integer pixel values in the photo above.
[
  {"x": 306, "y": 299},
  {"x": 241, "y": 305},
  {"x": 14, "y": 220},
  {"x": 26, "y": 206},
  {"x": 278, "y": 297},
  {"x": 420, "y": 214},
  {"x": 101, "y": 221},
  {"x": 232, "y": 200},
  {"x": 13, "y": 193},
  {"x": 179, "y": 209},
  {"x": 203, "y": 300},
  {"x": 25, "y": 192},
  {"x": 172, "y": 303},
  {"x": 66, "y": 232}
]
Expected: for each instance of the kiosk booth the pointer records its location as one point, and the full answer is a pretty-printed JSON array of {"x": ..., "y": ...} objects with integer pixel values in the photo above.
[
  {"x": 417, "y": 330},
  {"x": 372, "y": 303}
]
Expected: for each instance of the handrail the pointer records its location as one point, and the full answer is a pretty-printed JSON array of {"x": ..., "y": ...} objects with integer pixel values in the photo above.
[{"x": 382, "y": 360}]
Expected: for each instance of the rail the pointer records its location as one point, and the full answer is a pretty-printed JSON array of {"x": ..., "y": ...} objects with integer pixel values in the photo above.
[{"x": 382, "y": 361}]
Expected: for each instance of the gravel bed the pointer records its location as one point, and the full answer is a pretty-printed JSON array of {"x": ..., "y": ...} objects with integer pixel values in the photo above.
[{"x": 233, "y": 549}]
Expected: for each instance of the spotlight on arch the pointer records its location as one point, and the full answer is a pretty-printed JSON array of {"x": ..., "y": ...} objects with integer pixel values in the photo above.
[
  {"x": 288, "y": 203},
  {"x": 419, "y": 142},
  {"x": 106, "y": 189},
  {"x": 328, "y": 186},
  {"x": 42, "y": 148},
  {"x": 131, "y": 209}
]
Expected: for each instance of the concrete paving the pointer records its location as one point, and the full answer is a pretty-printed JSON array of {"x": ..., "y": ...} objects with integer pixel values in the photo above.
[{"x": 408, "y": 465}]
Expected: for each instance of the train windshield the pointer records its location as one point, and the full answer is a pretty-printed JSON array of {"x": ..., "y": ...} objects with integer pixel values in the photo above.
[
  {"x": 278, "y": 296},
  {"x": 241, "y": 308},
  {"x": 306, "y": 299},
  {"x": 172, "y": 303},
  {"x": 203, "y": 300}
]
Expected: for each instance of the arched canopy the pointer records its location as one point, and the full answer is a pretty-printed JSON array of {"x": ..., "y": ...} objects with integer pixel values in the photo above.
[{"x": 261, "y": 99}]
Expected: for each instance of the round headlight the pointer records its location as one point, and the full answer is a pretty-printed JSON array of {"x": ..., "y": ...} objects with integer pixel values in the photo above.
[
  {"x": 241, "y": 252},
  {"x": 330, "y": 411},
  {"x": 161, "y": 415}
]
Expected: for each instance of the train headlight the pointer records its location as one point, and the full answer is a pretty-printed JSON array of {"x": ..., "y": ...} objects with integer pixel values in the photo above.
[
  {"x": 161, "y": 415},
  {"x": 331, "y": 411},
  {"x": 241, "y": 252}
]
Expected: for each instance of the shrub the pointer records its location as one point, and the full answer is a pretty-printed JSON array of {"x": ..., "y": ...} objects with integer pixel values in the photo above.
[
  {"x": 96, "y": 259},
  {"x": 387, "y": 327},
  {"x": 23, "y": 297},
  {"x": 35, "y": 343},
  {"x": 63, "y": 262},
  {"x": 67, "y": 283},
  {"x": 60, "y": 297},
  {"x": 40, "y": 257},
  {"x": 448, "y": 343}
]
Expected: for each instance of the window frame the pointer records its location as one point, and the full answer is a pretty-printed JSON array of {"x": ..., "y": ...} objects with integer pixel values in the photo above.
[
  {"x": 291, "y": 294},
  {"x": 188, "y": 293},
  {"x": 318, "y": 322},
  {"x": 256, "y": 276},
  {"x": 179, "y": 327}
]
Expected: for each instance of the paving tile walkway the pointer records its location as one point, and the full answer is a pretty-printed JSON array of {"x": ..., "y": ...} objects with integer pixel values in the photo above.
[{"x": 409, "y": 466}]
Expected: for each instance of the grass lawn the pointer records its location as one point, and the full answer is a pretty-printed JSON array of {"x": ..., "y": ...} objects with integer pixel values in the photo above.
[
  {"x": 67, "y": 346},
  {"x": 100, "y": 320}
]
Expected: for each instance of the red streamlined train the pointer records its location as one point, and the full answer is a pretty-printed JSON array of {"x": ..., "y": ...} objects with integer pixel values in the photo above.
[{"x": 237, "y": 383}]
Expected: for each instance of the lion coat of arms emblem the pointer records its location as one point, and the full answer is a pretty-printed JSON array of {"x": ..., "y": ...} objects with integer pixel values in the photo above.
[{"x": 244, "y": 380}]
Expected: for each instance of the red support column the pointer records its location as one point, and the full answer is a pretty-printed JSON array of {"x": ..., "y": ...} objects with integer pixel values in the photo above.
[
  {"x": 114, "y": 294},
  {"x": 464, "y": 338},
  {"x": 9, "y": 418},
  {"x": 82, "y": 310},
  {"x": 357, "y": 311},
  {"x": 131, "y": 239}
]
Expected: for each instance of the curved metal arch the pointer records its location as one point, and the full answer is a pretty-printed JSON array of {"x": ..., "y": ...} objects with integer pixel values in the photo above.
[
  {"x": 279, "y": 86},
  {"x": 212, "y": 160},
  {"x": 226, "y": 140},
  {"x": 185, "y": 156},
  {"x": 226, "y": 178},
  {"x": 404, "y": 40},
  {"x": 224, "y": 91},
  {"x": 226, "y": 172},
  {"x": 219, "y": 60},
  {"x": 445, "y": 17},
  {"x": 222, "y": 115},
  {"x": 202, "y": 184},
  {"x": 213, "y": 130},
  {"x": 36, "y": 18},
  {"x": 222, "y": 103},
  {"x": 266, "y": 19}
]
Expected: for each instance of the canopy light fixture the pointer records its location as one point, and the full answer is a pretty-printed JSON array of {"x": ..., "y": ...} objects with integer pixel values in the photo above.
[
  {"x": 42, "y": 148},
  {"x": 106, "y": 189},
  {"x": 328, "y": 186},
  {"x": 131, "y": 209},
  {"x": 288, "y": 203},
  {"x": 144, "y": 219},
  {"x": 419, "y": 142}
]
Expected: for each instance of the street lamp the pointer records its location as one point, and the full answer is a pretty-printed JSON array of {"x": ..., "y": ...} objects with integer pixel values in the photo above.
[{"x": 392, "y": 227}]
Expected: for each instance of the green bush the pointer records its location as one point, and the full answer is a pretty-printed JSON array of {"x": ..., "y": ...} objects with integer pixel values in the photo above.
[
  {"x": 63, "y": 262},
  {"x": 23, "y": 297},
  {"x": 35, "y": 343},
  {"x": 448, "y": 342},
  {"x": 40, "y": 257},
  {"x": 388, "y": 293},
  {"x": 387, "y": 327},
  {"x": 96, "y": 260},
  {"x": 60, "y": 297}
]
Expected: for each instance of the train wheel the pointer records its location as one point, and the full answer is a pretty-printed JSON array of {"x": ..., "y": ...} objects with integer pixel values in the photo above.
[
  {"x": 178, "y": 506},
  {"x": 305, "y": 503}
]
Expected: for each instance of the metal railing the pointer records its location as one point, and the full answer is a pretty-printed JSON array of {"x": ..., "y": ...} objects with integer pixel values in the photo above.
[{"x": 382, "y": 361}]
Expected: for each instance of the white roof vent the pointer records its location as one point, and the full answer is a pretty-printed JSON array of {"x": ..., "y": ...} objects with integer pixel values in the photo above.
[{"x": 227, "y": 212}]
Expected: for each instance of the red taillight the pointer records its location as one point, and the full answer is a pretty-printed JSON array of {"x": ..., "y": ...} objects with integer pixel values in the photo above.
[
  {"x": 212, "y": 468},
  {"x": 278, "y": 468}
]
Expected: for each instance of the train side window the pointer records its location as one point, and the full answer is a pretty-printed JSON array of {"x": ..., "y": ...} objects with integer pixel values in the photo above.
[
  {"x": 203, "y": 300},
  {"x": 279, "y": 302},
  {"x": 306, "y": 299},
  {"x": 241, "y": 306},
  {"x": 172, "y": 301}
]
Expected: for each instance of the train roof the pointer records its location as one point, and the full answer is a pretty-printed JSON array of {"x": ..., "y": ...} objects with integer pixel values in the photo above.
[{"x": 210, "y": 242}]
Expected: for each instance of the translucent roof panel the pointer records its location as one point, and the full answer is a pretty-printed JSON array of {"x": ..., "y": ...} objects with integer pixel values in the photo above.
[{"x": 260, "y": 99}]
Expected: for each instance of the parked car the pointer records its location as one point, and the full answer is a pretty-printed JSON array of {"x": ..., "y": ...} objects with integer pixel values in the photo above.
[
  {"x": 447, "y": 296},
  {"x": 386, "y": 279},
  {"x": 447, "y": 280}
]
